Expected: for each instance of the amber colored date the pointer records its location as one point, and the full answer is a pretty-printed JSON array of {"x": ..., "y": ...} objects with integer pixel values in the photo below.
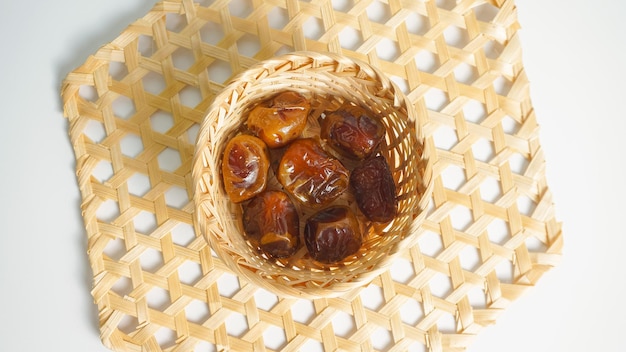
[
  {"x": 332, "y": 234},
  {"x": 375, "y": 190},
  {"x": 280, "y": 120},
  {"x": 352, "y": 131},
  {"x": 244, "y": 167},
  {"x": 271, "y": 223},
  {"x": 311, "y": 175}
]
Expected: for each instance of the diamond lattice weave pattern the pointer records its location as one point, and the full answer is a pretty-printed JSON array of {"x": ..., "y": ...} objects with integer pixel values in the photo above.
[{"x": 134, "y": 109}]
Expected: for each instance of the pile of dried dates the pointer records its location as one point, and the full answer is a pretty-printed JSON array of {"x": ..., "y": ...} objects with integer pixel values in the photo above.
[{"x": 311, "y": 172}]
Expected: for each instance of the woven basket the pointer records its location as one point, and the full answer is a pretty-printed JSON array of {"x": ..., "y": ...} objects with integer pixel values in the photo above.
[{"x": 327, "y": 80}]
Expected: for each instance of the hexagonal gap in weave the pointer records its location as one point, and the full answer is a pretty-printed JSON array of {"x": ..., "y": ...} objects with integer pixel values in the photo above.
[
  {"x": 123, "y": 107},
  {"x": 94, "y": 130},
  {"x": 378, "y": 11},
  {"x": 469, "y": 258},
  {"x": 161, "y": 121},
  {"x": 117, "y": 70},
  {"x": 277, "y": 18},
  {"x": 115, "y": 249},
  {"x": 236, "y": 324},
  {"x": 510, "y": 125},
  {"x": 165, "y": 337},
  {"x": 274, "y": 338},
  {"x": 343, "y": 5},
  {"x": 138, "y": 184},
  {"x": 502, "y": 85},
  {"x": 175, "y": 22},
  {"x": 303, "y": 311},
  {"x": 426, "y": 61},
  {"x": 183, "y": 234},
  {"x": 465, "y": 73},
  {"x": 88, "y": 93},
  {"x": 483, "y": 150},
  {"x": 388, "y": 50},
  {"x": 197, "y": 311},
  {"x": 151, "y": 260},
  {"x": 190, "y": 96},
  {"x": 372, "y": 297},
  {"x": 183, "y": 58},
  {"x": 430, "y": 243},
  {"x": 445, "y": 137},
  {"x": 313, "y": 28},
  {"x": 122, "y": 286},
  {"x": 153, "y": 83},
  {"x": 219, "y": 71},
  {"x": 343, "y": 324},
  {"x": 128, "y": 324},
  {"x": 474, "y": 111},
  {"x": 145, "y": 45},
  {"x": 145, "y": 222},
  {"x": 350, "y": 38},
  {"x": 490, "y": 190},
  {"x": 417, "y": 23},
  {"x": 240, "y": 8},
  {"x": 436, "y": 99},
  {"x": 131, "y": 145},
  {"x": 446, "y": 4},
  {"x": 265, "y": 300},
  {"x": 228, "y": 285},
  {"x": 211, "y": 33},
  {"x": 103, "y": 171},
  {"x": 248, "y": 45},
  {"x": 456, "y": 36},
  {"x": 486, "y": 12},
  {"x": 381, "y": 339},
  {"x": 411, "y": 312},
  {"x": 158, "y": 298},
  {"x": 176, "y": 197},
  {"x": 190, "y": 272},
  {"x": 169, "y": 160},
  {"x": 402, "y": 270},
  {"x": 453, "y": 177},
  {"x": 108, "y": 211}
]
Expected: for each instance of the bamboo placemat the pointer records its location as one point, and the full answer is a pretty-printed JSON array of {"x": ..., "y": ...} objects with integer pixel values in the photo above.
[{"x": 134, "y": 108}]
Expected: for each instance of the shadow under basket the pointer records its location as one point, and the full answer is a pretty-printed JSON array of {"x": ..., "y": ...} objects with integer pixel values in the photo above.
[{"x": 328, "y": 81}]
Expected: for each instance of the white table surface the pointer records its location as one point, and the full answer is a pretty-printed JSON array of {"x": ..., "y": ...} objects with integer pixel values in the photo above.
[{"x": 574, "y": 54}]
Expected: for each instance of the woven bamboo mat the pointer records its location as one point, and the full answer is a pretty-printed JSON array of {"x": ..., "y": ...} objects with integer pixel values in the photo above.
[{"x": 134, "y": 108}]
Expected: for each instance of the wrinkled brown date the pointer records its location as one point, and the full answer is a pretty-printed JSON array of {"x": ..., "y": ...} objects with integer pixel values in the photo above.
[
  {"x": 374, "y": 189},
  {"x": 352, "y": 131},
  {"x": 271, "y": 223},
  {"x": 280, "y": 120},
  {"x": 332, "y": 234},
  {"x": 244, "y": 167},
  {"x": 311, "y": 175}
]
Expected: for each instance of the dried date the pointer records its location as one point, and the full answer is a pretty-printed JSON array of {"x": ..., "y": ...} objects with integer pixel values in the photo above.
[
  {"x": 352, "y": 131},
  {"x": 244, "y": 167},
  {"x": 374, "y": 189},
  {"x": 332, "y": 234},
  {"x": 311, "y": 175},
  {"x": 280, "y": 120},
  {"x": 271, "y": 223}
]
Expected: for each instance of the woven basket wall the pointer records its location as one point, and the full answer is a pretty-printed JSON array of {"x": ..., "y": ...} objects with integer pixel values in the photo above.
[{"x": 134, "y": 109}]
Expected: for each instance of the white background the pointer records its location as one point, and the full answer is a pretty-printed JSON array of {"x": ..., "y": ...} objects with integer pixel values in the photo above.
[{"x": 573, "y": 52}]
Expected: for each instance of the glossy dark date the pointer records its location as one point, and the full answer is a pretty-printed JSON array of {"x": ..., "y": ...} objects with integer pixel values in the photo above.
[
  {"x": 332, "y": 234},
  {"x": 311, "y": 175},
  {"x": 352, "y": 131},
  {"x": 244, "y": 167},
  {"x": 374, "y": 189},
  {"x": 271, "y": 223},
  {"x": 280, "y": 120}
]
